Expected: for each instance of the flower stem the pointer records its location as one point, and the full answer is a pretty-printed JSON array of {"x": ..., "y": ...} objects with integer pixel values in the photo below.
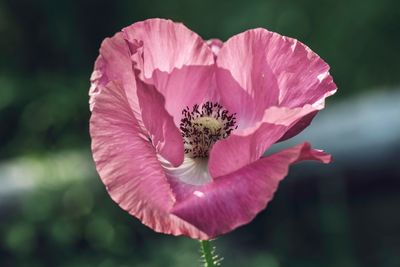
[{"x": 210, "y": 259}]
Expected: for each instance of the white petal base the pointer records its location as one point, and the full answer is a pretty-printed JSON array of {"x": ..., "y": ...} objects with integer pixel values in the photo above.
[{"x": 191, "y": 171}]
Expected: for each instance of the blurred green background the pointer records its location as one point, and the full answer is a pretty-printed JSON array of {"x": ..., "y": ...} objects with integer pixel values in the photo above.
[{"x": 54, "y": 211}]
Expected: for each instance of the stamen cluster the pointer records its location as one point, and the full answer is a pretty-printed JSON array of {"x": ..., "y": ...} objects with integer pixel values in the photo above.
[{"x": 203, "y": 126}]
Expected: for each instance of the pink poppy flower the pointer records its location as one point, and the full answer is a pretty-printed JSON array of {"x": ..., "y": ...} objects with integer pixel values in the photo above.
[{"x": 179, "y": 125}]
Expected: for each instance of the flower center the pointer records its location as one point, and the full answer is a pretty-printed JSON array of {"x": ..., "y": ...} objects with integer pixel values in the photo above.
[{"x": 203, "y": 126}]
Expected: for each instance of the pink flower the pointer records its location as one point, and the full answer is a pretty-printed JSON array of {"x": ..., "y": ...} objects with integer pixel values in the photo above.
[{"x": 179, "y": 125}]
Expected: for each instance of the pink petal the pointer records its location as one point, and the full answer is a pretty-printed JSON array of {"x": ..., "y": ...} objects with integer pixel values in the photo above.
[
  {"x": 299, "y": 126},
  {"x": 245, "y": 146},
  {"x": 280, "y": 82},
  {"x": 265, "y": 69},
  {"x": 164, "y": 135},
  {"x": 97, "y": 80},
  {"x": 167, "y": 45},
  {"x": 245, "y": 79},
  {"x": 128, "y": 164},
  {"x": 184, "y": 87},
  {"x": 235, "y": 199},
  {"x": 175, "y": 59},
  {"x": 114, "y": 64},
  {"x": 237, "y": 151}
]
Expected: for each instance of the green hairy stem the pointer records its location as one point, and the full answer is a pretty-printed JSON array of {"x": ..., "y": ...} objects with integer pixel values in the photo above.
[{"x": 209, "y": 257}]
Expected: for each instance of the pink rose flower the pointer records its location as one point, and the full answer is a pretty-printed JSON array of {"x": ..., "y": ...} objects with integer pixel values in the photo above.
[{"x": 179, "y": 125}]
